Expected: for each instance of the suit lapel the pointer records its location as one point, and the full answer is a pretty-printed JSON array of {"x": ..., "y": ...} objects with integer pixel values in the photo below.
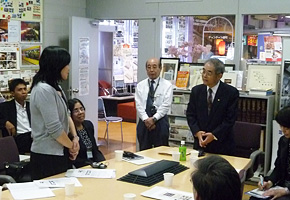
[{"x": 217, "y": 100}]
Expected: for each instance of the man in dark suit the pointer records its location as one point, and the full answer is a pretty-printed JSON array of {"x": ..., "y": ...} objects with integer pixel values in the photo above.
[
  {"x": 15, "y": 116},
  {"x": 212, "y": 111}
]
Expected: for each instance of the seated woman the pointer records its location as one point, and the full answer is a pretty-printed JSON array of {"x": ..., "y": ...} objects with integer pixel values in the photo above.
[
  {"x": 281, "y": 173},
  {"x": 89, "y": 151}
]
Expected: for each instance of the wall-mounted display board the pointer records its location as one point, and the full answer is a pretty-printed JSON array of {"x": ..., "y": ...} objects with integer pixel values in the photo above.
[
  {"x": 263, "y": 77},
  {"x": 21, "y": 10}
]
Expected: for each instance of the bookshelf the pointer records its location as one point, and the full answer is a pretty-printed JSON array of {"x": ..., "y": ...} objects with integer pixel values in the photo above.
[{"x": 251, "y": 108}]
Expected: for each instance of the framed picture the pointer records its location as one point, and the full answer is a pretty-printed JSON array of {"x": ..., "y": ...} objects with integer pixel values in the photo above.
[{"x": 169, "y": 68}]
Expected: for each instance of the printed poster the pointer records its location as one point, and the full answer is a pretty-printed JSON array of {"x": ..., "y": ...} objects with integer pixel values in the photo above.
[
  {"x": 84, "y": 53},
  {"x": 84, "y": 81}
]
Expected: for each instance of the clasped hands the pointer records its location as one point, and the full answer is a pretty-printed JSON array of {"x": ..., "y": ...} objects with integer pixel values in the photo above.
[
  {"x": 204, "y": 138},
  {"x": 149, "y": 123},
  {"x": 74, "y": 151},
  {"x": 273, "y": 192}
]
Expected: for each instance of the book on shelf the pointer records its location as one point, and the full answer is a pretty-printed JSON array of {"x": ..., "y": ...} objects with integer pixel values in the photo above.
[
  {"x": 182, "y": 79},
  {"x": 263, "y": 92}
]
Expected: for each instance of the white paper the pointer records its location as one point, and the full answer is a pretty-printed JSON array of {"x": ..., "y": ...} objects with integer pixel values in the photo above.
[
  {"x": 259, "y": 193},
  {"x": 24, "y": 157},
  {"x": 84, "y": 51},
  {"x": 28, "y": 190},
  {"x": 142, "y": 161},
  {"x": 57, "y": 182},
  {"x": 91, "y": 173},
  {"x": 167, "y": 194},
  {"x": 84, "y": 81},
  {"x": 14, "y": 31}
]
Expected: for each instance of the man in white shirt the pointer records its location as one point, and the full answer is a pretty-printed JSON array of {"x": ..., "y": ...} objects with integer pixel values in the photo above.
[
  {"x": 153, "y": 101},
  {"x": 15, "y": 116}
]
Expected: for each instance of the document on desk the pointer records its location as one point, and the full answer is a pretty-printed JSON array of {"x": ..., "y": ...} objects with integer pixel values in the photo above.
[
  {"x": 257, "y": 193},
  {"x": 28, "y": 190},
  {"x": 91, "y": 173},
  {"x": 57, "y": 182},
  {"x": 167, "y": 194},
  {"x": 140, "y": 161}
]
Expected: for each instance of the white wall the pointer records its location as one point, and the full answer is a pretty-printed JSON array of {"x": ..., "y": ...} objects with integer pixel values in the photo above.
[
  {"x": 147, "y": 9},
  {"x": 56, "y": 20}
]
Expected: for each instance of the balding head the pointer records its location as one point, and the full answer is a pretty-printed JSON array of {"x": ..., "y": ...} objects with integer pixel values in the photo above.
[{"x": 153, "y": 68}]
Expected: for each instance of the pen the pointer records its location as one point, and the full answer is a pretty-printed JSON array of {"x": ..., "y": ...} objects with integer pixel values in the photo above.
[{"x": 262, "y": 180}]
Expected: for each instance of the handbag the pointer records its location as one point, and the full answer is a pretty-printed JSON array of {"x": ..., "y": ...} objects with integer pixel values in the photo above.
[{"x": 20, "y": 171}]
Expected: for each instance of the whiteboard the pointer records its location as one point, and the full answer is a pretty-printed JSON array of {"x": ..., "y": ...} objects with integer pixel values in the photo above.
[{"x": 262, "y": 76}]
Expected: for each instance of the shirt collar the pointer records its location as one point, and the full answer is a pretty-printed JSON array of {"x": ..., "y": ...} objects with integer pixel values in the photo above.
[
  {"x": 214, "y": 88},
  {"x": 18, "y": 105}
]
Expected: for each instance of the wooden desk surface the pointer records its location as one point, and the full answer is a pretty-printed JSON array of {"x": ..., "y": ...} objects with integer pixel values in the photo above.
[{"x": 111, "y": 189}]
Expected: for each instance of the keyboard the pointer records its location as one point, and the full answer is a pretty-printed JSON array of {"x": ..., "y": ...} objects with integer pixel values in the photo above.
[{"x": 125, "y": 94}]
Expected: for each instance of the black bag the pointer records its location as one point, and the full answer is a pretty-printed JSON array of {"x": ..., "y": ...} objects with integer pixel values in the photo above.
[{"x": 20, "y": 171}]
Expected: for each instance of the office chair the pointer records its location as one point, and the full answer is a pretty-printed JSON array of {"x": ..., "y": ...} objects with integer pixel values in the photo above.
[
  {"x": 247, "y": 138},
  {"x": 102, "y": 116},
  {"x": 11, "y": 155}
]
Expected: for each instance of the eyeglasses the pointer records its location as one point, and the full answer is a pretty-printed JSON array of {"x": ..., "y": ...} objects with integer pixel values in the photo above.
[
  {"x": 78, "y": 110},
  {"x": 207, "y": 73}
]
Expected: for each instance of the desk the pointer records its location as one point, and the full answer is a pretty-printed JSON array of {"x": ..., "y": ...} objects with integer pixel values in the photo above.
[
  {"x": 111, "y": 103},
  {"x": 111, "y": 189}
]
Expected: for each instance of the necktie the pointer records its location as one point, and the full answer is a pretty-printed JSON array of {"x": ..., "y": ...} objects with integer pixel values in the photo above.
[
  {"x": 150, "y": 97},
  {"x": 209, "y": 100}
]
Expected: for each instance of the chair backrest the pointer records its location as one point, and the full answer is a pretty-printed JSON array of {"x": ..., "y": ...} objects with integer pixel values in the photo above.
[
  {"x": 101, "y": 108},
  {"x": 9, "y": 151},
  {"x": 247, "y": 138}
]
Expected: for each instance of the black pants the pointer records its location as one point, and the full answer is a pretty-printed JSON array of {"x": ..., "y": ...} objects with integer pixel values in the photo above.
[
  {"x": 157, "y": 137},
  {"x": 43, "y": 165},
  {"x": 23, "y": 142}
]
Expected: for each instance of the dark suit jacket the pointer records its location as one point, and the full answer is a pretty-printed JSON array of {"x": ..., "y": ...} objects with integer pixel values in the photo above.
[
  {"x": 8, "y": 113},
  {"x": 280, "y": 171},
  {"x": 82, "y": 158},
  {"x": 221, "y": 119}
]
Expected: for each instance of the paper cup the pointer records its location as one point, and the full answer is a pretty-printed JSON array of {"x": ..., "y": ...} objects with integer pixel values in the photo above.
[
  {"x": 176, "y": 156},
  {"x": 69, "y": 189},
  {"x": 168, "y": 179},
  {"x": 129, "y": 196},
  {"x": 119, "y": 155},
  {"x": 193, "y": 157}
]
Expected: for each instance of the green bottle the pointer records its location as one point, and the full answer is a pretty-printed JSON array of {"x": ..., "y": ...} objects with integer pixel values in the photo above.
[{"x": 182, "y": 150}]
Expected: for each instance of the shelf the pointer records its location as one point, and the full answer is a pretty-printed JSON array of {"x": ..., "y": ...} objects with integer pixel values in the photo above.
[
  {"x": 269, "y": 30},
  {"x": 173, "y": 115}
]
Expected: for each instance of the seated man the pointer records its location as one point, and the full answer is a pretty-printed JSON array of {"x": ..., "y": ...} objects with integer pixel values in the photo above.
[
  {"x": 15, "y": 116},
  {"x": 215, "y": 178}
]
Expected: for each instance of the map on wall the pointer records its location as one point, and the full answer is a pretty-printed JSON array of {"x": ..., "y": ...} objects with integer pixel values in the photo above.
[{"x": 21, "y": 10}]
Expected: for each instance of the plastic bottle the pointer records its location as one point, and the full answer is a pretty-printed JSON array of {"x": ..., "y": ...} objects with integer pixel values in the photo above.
[{"x": 182, "y": 150}]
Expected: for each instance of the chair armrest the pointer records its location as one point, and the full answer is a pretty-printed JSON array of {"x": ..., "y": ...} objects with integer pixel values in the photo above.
[{"x": 254, "y": 156}]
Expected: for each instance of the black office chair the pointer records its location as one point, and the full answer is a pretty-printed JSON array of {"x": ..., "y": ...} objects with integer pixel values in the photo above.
[
  {"x": 11, "y": 156},
  {"x": 247, "y": 138},
  {"x": 6, "y": 179}
]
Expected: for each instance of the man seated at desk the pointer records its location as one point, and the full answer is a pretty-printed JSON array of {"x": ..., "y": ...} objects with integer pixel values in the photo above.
[{"x": 15, "y": 116}]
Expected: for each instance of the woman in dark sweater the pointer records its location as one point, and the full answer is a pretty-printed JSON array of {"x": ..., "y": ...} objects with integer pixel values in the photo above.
[{"x": 89, "y": 151}]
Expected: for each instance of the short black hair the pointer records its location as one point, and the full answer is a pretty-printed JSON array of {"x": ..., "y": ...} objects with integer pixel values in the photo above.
[
  {"x": 14, "y": 83},
  {"x": 218, "y": 65},
  {"x": 215, "y": 178},
  {"x": 72, "y": 103},
  {"x": 283, "y": 117},
  {"x": 52, "y": 60}
]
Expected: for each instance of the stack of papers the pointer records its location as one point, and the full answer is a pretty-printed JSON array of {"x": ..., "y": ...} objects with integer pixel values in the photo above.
[
  {"x": 38, "y": 189},
  {"x": 167, "y": 194},
  {"x": 91, "y": 173}
]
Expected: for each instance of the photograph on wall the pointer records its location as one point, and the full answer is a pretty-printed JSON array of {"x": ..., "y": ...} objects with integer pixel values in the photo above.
[
  {"x": 30, "y": 32},
  {"x": 9, "y": 57},
  {"x": 27, "y": 76},
  {"x": 273, "y": 48},
  {"x": 169, "y": 68},
  {"x": 5, "y": 76},
  {"x": 3, "y": 30},
  {"x": 30, "y": 55}
]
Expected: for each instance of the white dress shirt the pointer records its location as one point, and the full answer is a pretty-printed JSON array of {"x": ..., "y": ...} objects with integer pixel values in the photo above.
[
  {"x": 214, "y": 90},
  {"x": 23, "y": 125},
  {"x": 162, "y": 97}
]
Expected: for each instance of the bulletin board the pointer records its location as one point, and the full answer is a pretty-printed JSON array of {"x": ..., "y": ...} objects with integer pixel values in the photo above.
[
  {"x": 21, "y": 10},
  {"x": 262, "y": 76}
]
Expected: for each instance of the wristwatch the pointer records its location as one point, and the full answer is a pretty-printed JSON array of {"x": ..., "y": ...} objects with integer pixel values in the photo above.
[{"x": 154, "y": 119}]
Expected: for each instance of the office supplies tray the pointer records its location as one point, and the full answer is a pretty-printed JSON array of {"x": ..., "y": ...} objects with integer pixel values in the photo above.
[{"x": 153, "y": 173}]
